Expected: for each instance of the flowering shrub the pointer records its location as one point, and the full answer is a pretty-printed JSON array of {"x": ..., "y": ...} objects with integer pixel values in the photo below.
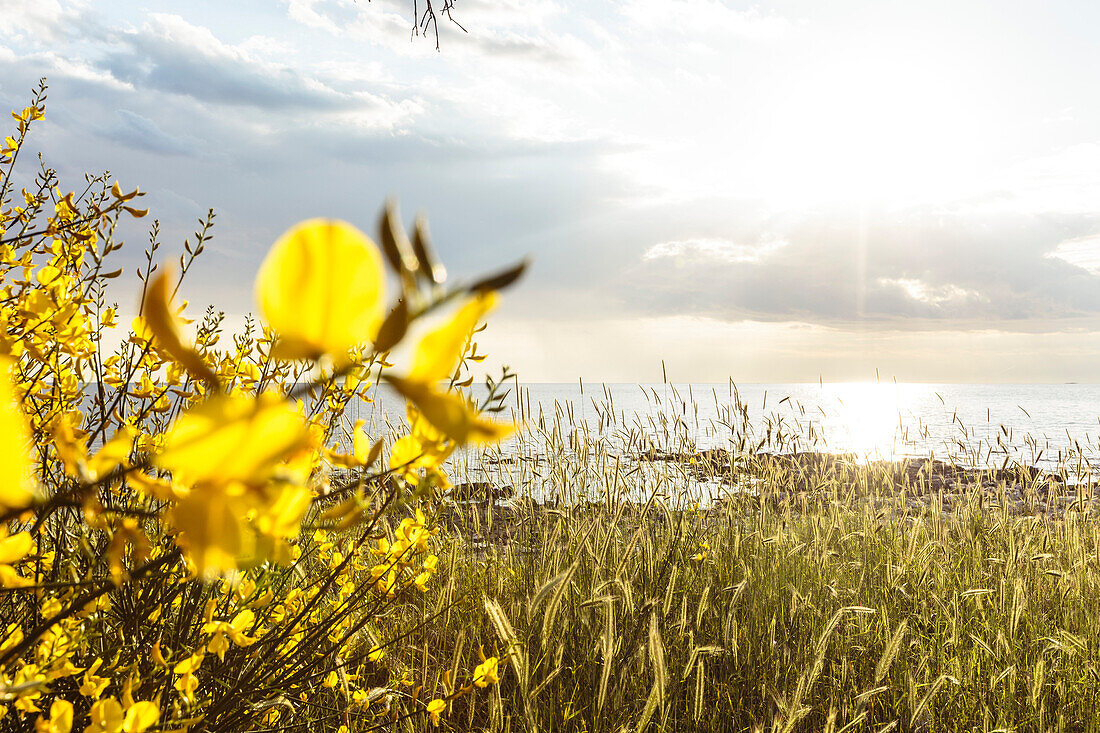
[{"x": 190, "y": 536}]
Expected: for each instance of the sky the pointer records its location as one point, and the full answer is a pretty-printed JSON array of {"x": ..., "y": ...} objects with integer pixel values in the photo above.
[{"x": 769, "y": 192}]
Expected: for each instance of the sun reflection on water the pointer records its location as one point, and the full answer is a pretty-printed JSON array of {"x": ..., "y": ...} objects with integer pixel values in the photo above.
[{"x": 869, "y": 417}]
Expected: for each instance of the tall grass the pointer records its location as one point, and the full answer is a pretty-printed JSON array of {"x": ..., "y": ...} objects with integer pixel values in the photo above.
[{"x": 822, "y": 599}]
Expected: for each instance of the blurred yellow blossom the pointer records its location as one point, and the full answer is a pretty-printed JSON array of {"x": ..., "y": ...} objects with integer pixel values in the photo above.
[
  {"x": 435, "y": 710},
  {"x": 321, "y": 290},
  {"x": 15, "y": 484}
]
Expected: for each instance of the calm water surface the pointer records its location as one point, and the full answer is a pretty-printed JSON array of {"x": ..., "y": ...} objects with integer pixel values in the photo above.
[{"x": 975, "y": 423}]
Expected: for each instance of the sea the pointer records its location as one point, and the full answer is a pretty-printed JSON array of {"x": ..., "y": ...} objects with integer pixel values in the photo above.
[{"x": 975, "y": 424}]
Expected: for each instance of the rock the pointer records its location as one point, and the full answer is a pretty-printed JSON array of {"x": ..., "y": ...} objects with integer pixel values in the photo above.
[{"x": 481, "y": 491}]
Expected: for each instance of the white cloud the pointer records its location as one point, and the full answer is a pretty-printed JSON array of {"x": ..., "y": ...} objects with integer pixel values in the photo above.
[
  {"x": 1066, "y": 180},
  {"x": 883, "y": 267},
  {"x": 1083, "y": 252},
  {"x": 936, "y": 295},
  {"x": 52, "y": 65},
  {"x": 701, "y": 18},
  {"x": 311, "y": 13},
  {"x": 719, "y": 250},
  {"x": 41, "y": 20},
  {"x": 683, "y": 158}
]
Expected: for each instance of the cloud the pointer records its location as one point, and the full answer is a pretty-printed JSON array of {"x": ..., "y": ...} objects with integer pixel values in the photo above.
[
  {"x": 649, "y": 180},
  {"x": 141, "y": 133},
  {"x": 902, "y": 270},
  {"x": 1083, "y": 252},
  {"x": 53, "y": 66},
  {"x": 169, "y": 54},
  {"x": 45, "y": 21},
  {"x": 716, "y": 250},
  {"x": 947, "y": 295},
  {"x": 699, "y": 19}
]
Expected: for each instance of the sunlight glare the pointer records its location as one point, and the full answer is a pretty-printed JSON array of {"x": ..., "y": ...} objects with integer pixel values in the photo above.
[{"x": 870, "y": 414}]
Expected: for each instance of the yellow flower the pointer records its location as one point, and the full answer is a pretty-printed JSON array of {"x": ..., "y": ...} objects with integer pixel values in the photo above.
[
  {"x": 232, "y": 439},
  {"x": 162, "y": 320},
  {"x": 360, "y": 449},
  {"x": 191, "y": 664},
  {"x": 158, "y": 656},
  {"x": 93, "y": 685},
  {"x": 15, "y": 485},
  {"x": 436, "y": 357},
  {"x": 438, "y": 352},
  {"x": 212, "y": 529},
  {"x": 60, "y": 720},
  {"x": 231, "y": 453},
  {"x": 186, "y": 686},
  {"x": 435, "y": 709},
  {"x": 282, "y": 517},
  {"x": 106, "y": 717},
  {"x": 12, "y": 550},
  {"x": 321, "y": 290},
  {"x": 114, "y": 453},
  {"x": 234, "y": 630},
  {"x": 486, "y": 673},
  {"x": 387, "y": 583},
  {"x": 450, "y": 413},
  {"x": 140, "y": 716},
  {"x": 187, "y": 682}
]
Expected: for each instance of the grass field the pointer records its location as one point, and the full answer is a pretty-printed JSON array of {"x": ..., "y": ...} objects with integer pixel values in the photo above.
[{"x": 844, "y": 606}]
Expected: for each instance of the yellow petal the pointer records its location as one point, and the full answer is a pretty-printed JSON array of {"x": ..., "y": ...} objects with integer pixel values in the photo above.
[
  {"x": 106, "y": 716},
  {"x": 140, "y": 716},
  {"x": 10, "y": 578},
  {"x": 151, "y": 486},
  {"x": 233, "y": 438},
  {"x": 360, "y": 443},
  {"x": 321, "y": 289},
  {"x": 450, "y": 414},
  {"x": 211, "y": 531},
  {"x": 405, "y": 452},
  {"x": 14, "y": 548},
  {"x": 48, "y": 274},
  {"x": 68, "y": 441},
  {"x": 243, "y": 620},
  {"x": 191, "y": 664},
  {"x": 438, "y": 352},
  {"x": 161, "y": 319},
  {"x": 283, "y": 518},
  {"x": 15, "y": 491},
  {"x": 114, "y": 452},
  {"x": 61, "y": 717}
]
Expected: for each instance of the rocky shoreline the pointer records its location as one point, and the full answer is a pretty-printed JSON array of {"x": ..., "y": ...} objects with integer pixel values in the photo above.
[
  {"x": 922, "y": 482},
  {"x": 918, "y": 486}
]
